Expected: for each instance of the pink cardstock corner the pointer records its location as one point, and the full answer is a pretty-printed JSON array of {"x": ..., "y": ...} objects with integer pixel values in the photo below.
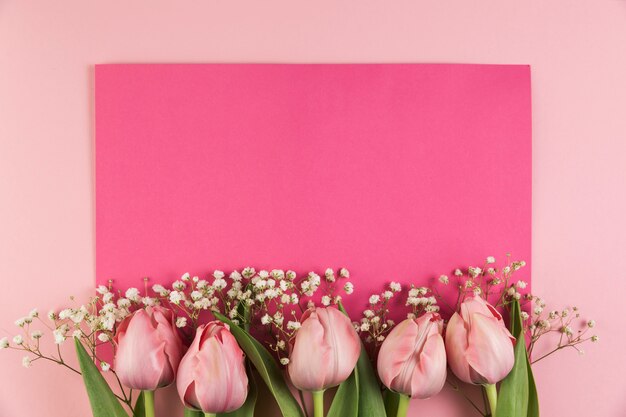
[{"x": 397, "y": 172}]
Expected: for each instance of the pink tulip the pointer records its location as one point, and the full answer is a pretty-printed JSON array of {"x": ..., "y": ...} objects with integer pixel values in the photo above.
[
  {"x": 212, "y": 375},
  {"x": 148, "y": 349},
  {"x": 412, "y": 359},
  {"x": 325, "y": 350},
  {"x": 479, "y": 346}
]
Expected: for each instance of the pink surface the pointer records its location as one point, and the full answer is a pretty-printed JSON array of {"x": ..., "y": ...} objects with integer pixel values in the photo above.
[
  {"x": 575, "y": 48},
  {"x": 397, "y": 172}
]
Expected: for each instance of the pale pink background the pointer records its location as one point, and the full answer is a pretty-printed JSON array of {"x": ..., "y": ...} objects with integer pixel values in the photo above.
[{"x": 575, "y": 48}]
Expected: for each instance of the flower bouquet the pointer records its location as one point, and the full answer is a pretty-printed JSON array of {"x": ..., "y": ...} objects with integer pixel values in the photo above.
[{"x": 477, "y": 333}]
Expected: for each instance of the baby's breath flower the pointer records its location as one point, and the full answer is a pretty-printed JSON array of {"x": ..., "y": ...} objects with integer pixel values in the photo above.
[
  {"x": 132, "y": 294},
  {"x": 103, "y": 337},
  {"x": 293, "y": 325},
  {"x": 265, "y": 319},
  {"x": 458, "y": 272},
  {"x": 284, "y": 361},
  {"x": 102, "y": 289},
  {"x": 52, "y": 315},
  {"x": 185, "y": 276},
  {"x": 20, "y": 322},
  {"x": 326, "y": 300},
  {"x": 27, "y": 362},
  {"x": 37, "y": 334},
  {"x": 444, "y": 279},
  {"x": 591, "y": 323},
  {"x": 374, "y": 299},
  {"x": 387, "y": 295},
  {"x": 491, "y": 260},
  {"x": 176, "y": 297},
  {"x": 521, "y": 284},
  {"x": 180, "y": 285},
  {"x": 594, "y": 338},
  {"x": 395, "y": 286},
  {"x": 18, "y": 340},
  {"x": 348, "y": 288},
  {"x": 4, "y": 343},
  {"x": 344, "y": 273},
  {"x": 181, "y": 322},
  {"x": 105, "y": 366},
  {"x": 33, "y": 313}
]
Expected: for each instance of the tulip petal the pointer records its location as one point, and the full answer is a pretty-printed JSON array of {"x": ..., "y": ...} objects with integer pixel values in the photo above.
[
  {"x": 430, "y": 376},
  {"x": 140, "y": 361},
  {"x": 310, "y": 356},
  {"x": 456, "y": 348},
  {"x": 345, "y": 345},
  {"x": 395, "y": 351},
  {"x": 490, "y": 351}
]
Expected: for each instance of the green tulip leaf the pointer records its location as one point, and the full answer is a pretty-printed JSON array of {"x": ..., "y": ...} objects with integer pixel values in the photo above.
[
  {"x": 345, "y": 403},
  {"x": 190, "y": 412},
  {"x": 533, "y": 398},
  {"x": 101, "y": 397},
  {"x": 267, "y": 367},
  {"x": 247, "y": 409},
  {"x": 140, "y": 408},
  {"x": 392, "y": 399},
  {"x": 514, "y": 395},
  {"x": 370, "y": 397}
]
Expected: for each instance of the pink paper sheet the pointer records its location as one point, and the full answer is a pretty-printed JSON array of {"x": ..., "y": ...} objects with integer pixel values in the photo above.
[{"x": 397, "y": 172}]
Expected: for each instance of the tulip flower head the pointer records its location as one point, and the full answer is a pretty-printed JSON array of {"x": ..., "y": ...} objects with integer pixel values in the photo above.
[
  {"x": 212, "y": 374},
  {"x": 325, "y": 350},
  {"x": 479, "y": 346},
  {"x": 412, "y": 359},
  {"x": 149, "y": 349}
]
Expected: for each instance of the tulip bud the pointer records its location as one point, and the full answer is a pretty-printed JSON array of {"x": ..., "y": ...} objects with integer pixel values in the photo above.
[
  {"x": 412, "y": 359},
  {"x": 325, "y": 350},
  {"x": 212, "y": 374},
  {"x": 149, "y": 349},
  {"x": 479, "y": 346}
]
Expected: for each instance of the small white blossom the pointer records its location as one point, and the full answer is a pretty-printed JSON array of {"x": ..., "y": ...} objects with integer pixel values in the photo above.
[
  {"x": 176, "y": 297},
  {"x": 348, "y": 288},
  {"x": 185, "y": 276},
  {"x": 265, "y": 319},
  {"x": 444, "y": 279},
  {"x": 284, "y": 361},
  {"x": 387, "y": 295},
  {"x": 181, "y": 322},
  {"x": 368, "y": 313},
  {"x": 27, "y": 362},
  {"x": 491, "y": 260},
  {"x": 105, "y": 366},
  {"x": 591, "y": 323},
  {"x": 4, "y": 343},
  {"x": 521, "y": 284},
  {"x": 132, "y": 294},
  {"x": 102, "y": 289},
  {"x": 374, "y": 299},
  {"x": 293, "y": 325},
  {"x": 344, "y": 273},
  {"x": 395, "y": 286},
  {"x": 594, "y": 338},
  {"x": 179, "y": 285},
  {"x": 20, "y": 322},
  {"x": 458, "y": 272},
  {"x": 103, "y": 337},
  {"x": 326, "y": 300},
  {"x": 18, "y": 340}
]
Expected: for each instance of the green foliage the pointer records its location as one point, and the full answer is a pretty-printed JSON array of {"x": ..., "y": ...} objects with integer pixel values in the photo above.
[{"x": 101, "y": 397}]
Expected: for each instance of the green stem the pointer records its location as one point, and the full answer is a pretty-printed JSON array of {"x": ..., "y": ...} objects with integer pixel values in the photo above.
[
  {"x": 492, "y": 396},
  {"x": 193, "y": 413},
  {"x": 209, "y": 415},
  {"x": 403, "y": 405},
  {"x": 148, "y": 400},
  {"x": 318, "y": 403}
]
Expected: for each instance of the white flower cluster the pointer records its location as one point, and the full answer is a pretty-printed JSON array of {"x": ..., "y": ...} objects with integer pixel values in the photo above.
[
  {"x": 375, "y": 324},
  {"x": 569, "y": 328}
]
